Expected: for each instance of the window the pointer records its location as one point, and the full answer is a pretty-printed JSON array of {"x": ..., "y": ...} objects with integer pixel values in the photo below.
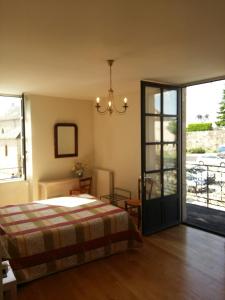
[{"x": 12, "y": 142}]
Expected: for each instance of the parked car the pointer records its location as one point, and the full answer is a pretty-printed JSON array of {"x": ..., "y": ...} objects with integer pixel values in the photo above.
[
  {"x": 211, "y": 160},
  {"x": 221, "y": 151}
]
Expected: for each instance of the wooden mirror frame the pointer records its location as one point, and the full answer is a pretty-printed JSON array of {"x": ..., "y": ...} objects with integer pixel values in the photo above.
[{"x": 56, "y": 140}]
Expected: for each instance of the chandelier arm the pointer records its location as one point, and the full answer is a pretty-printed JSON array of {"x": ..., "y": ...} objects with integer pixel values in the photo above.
[
  {"x": 98, "y": 107},
  {"x": 125, "y": 106}
]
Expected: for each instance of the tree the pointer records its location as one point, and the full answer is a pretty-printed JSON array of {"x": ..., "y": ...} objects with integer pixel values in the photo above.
[
  {"x": 172, "y": 127},
  {"x": 199, "y": 117},
  {"x": 202, "y": 118},
  {"x": 221, "y": 113},
  {"x": 206, "y": 117}
]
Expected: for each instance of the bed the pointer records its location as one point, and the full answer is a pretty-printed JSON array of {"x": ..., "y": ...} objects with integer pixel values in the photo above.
[{"x": 47, "y": 236}]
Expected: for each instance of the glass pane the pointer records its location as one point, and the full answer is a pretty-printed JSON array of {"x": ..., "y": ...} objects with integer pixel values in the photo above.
[
  {"x": 170, "y": 183},
  {"x": 153, "y": 186},
  {"x": 153, "y": 157},
  {"x": 170, "y": 102},
  {"x": 169, "y": 156},
  {"x": 152, "y": 100},
  {"x": 169, "y": 129},
  {"x": 152, "y": 125}
]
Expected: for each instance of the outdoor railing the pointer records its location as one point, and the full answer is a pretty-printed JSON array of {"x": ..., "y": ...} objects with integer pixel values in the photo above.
[{"x": 206, "y": 184}]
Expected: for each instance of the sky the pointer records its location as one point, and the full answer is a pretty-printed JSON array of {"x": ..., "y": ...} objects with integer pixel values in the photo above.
[
  {"x": 204, "y": 99},
  {"x": 9, "y": 107}
]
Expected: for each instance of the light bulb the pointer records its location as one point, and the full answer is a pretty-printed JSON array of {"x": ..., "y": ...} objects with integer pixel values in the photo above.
[
  {"x": 125, "y": 100},
  {"x": 97, "y": 100}
]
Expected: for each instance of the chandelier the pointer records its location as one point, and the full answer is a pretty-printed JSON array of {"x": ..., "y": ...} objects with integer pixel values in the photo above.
[{"x": 111, "y": 105}]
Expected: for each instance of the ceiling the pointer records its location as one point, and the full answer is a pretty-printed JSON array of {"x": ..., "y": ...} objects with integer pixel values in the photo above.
[{"x": 59, "y": 48}]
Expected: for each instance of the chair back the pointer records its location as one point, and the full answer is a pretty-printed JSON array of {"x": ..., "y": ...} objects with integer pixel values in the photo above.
[
  {"x": 85, "y": 185},
  {"x": 148, "y": 187}
]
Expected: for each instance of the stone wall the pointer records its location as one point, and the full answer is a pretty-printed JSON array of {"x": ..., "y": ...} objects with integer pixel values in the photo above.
[{"x": 209, "y": 140}]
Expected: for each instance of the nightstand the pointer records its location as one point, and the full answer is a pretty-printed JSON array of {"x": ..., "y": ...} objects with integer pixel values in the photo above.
[{"x": 9, "y": 285}]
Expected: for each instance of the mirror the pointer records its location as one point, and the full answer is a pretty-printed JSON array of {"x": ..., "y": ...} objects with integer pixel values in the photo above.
[{"x": 66, "y": 139}]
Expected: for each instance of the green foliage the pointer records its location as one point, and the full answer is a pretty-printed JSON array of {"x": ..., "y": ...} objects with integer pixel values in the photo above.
[
  {"x": 172, "y": 127},
  {"x": 221, "y": 113},
  {"x": 197, "y": 150},
  {"x": 199, "y": 127}
]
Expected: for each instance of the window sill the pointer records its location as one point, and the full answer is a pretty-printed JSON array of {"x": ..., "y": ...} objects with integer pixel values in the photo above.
[{"x": 11, "y": 180}]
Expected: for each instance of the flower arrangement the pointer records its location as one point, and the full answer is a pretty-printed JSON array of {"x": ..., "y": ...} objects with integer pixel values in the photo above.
[{"x": 78, "y": 169}]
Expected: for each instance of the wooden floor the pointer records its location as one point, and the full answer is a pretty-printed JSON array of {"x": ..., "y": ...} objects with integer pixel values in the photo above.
[{"x": 178, "y": 263}]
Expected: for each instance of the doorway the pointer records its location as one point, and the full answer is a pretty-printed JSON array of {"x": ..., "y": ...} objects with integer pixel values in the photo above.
[{"x": 204, "y": 205}]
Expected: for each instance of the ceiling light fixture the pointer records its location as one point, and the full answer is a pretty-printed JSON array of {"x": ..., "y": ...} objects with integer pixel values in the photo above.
[{"x": 111, "y": 105}]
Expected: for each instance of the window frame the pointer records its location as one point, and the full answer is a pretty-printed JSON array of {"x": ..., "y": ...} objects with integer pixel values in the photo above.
[{"x": 22, "y": 140}]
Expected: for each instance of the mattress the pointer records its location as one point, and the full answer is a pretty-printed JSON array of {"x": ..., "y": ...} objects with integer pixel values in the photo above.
[{"x": 47, "y": 236}]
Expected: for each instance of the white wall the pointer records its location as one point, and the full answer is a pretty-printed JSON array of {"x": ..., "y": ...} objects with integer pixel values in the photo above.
[
  {"x": 14, "y": 192},
  {"x": 117, "y": 141},
  {"x": 45, "y": 112}
]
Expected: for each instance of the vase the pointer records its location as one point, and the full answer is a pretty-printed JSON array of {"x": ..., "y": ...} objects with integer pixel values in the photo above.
[{"x": 79, "y": 173}]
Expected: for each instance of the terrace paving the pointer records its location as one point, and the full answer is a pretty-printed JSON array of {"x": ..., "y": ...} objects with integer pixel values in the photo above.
[{"x": 206, "y": 218}]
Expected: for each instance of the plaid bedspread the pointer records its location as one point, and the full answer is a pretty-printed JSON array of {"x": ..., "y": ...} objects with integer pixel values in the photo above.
[{"x": 51, "y": 235}]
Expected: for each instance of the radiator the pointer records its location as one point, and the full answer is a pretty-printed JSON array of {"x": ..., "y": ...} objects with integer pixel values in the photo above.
[{"x": 103, "y": 182}]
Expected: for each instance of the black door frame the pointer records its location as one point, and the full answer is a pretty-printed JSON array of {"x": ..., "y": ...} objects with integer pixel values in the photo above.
[{"x": 178, "y": 144}]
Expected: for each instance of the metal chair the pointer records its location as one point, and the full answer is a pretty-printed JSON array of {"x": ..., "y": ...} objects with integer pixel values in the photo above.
[{"x": 117, "y": 196}]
